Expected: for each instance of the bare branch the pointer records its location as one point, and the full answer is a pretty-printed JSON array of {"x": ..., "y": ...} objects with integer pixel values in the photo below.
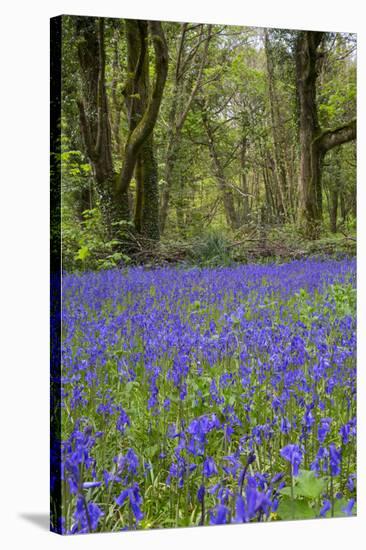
[
  {"x": 197, "y": 84},
  {"x": 180, "y": 50}
]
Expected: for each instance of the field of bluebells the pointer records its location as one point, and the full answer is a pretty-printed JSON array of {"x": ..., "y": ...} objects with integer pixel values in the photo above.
[{"x": 208, "y": 396}]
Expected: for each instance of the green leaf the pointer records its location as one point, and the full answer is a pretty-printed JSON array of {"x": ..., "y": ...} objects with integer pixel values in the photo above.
[
  {"x": 296, "y": 509},
  {"x": 308, "y": 485},
  {"x": 82, "y": 253},
  {"x": 286, "y": 491}
]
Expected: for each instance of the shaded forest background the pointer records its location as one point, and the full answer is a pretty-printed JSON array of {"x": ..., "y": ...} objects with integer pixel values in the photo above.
[{"x": 205, "y": 144}]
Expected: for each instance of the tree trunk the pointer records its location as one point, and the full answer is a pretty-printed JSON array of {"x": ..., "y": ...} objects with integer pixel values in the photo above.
[
  {"x": 225, "y": 191},
  {"x": 143, "y": 103},
  {"x": 243, "y": 180},
  {"x": 314, "y": 143},
  {"x": 94, "y": 122},
  {"x": 179, "y": 210},
  {"x": 150, "y": 194},
  {"x": 143, "y": 112},
  {"x": 343, "y": 207},
  {"x": 310, "y": 194},
  {"x": 333, "y": 209},
  {"x": 276, "y": 132},
  {"x": 168, "y": 180},
  {"x": 271, "y": 208}
]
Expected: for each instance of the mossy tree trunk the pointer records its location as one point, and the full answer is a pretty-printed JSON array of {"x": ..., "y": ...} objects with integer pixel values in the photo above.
[
  {"x": 314, "y": 143},
  {"x": 143, "y": 102},
  {"x": 94, "y": 122}
]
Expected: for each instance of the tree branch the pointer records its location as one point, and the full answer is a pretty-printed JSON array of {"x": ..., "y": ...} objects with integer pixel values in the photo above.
[
  {"x": 147, "y": 122},
  {"x": 331, "y": 138},
  {"x": 180, "y": 50},
  {"x": 194, "y": 90}
]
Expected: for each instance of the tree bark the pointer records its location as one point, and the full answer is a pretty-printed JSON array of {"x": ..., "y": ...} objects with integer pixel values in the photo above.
[
  {"x": 143, "y": 103},
  {"x": 142, "y": 127},
  {"x": 333, "y": 209},
  {"x": 333, "y": 138},
  {"x": 310, "y": 155},
  {"x": 343, "y": 208},
  {"x": 276, "y": 133},
  {"x": 314, "y": 143},
  {"x": 243, "y": 179},
  {"x": 94, "y": 122}
]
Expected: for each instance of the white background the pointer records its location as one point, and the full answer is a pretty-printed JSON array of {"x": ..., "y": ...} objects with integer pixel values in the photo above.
[{"x": 24, "y": 215}]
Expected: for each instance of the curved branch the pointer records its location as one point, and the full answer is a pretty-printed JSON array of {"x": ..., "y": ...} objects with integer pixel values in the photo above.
[
  {"x": 146, "y": 125},
  {"x": 331, "y": 138}
]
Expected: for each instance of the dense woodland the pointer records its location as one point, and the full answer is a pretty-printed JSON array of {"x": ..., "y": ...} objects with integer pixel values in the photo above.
[{"x": 204, "y": 143}]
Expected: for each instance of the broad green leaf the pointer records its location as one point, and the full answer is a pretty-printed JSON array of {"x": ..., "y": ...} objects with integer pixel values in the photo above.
[
  {"x": 286, "y": 491},
  {"x": 308, "y": 485},
  {"x": 296, "y": 509}
]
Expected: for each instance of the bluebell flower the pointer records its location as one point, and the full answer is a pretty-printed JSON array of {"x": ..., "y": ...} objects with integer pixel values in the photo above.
[
  {"x": 220, "y": 515},
  {"x": 335, "y": 458},
  {"x": 201, "y": 493},
  {"x": 308, "y": 420},
  {"x": 109, "y": 478},
  {"x": 348, "y": 430},
  {"x": 325, "y": 508},
  {"x": 350, "y": 482},
  {"x": 233, "y": 465},
  {"x": 323, "y": 429},
  {"x": 276, "y": 478},
  {"x": 209, "y": 467},
  {"x": 293, "y": 454},
  {"x": 123, "y": 421},
  {"x": 86, "y": 515},
  {"x": 133, "y": 494},
  {"x": 240, "y": 516},
  {"x": 128, "y": 462},
  {"x": 349, "y": 507},
  {"x": 285, "y": 425}
]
